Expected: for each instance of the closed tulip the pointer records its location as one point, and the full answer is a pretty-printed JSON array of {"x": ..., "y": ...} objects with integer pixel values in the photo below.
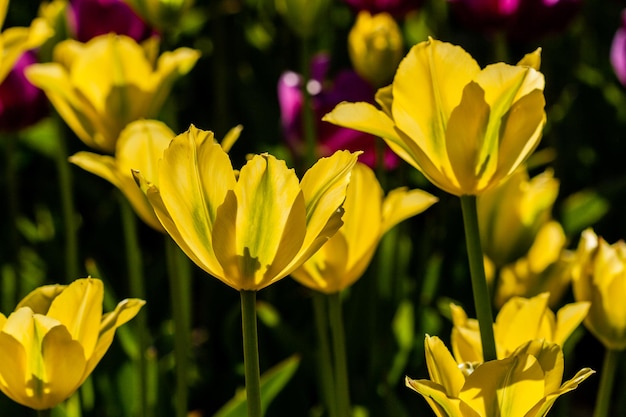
[
  {"x": 519, "y": 321},
  {"x": 599, "y": 276},
  {"x": 343, "y": 259},
  {"x": 100, "y": 86},
  {"x": 55, "y": 338},
  {"x": 375, "y": 47},
  {"x": 618, "y": 51},
  {"x": 252, "y": 227},
  {"x": 465, "y": 128},
  {"x": 525, "y": 384}
]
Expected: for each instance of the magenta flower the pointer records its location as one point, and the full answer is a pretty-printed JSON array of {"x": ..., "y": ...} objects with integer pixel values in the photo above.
[
  {"x": 21, "y": 103},
  {"x": 518, "y": 19},
  {"x": 618, "y": 51},
  {"x": 91, "y": 18},
  {"x": 395, "y": 8},
  {"x": 347, "y": 86}
]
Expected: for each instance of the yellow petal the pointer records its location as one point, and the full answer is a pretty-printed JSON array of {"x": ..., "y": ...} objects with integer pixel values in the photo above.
[
  {"x": 542, "y": 408},
  {"x": 442, "y": 367},
  {"x": 465, "y": 142},
  {"x": 568, "y": 318},
  {"x": 124, "y": 311},
  {"x": 79, "y": 308},
  {"x": 532, "y": 59},
  {"x": 439, "y": 401},
  {"x": 550, "y": 357},
  {"x": 465, "y": 337},
  {"x": 426, "y": 88},
  {"x": 400, "y": 204},
  {"x": 39, "y": 299}
]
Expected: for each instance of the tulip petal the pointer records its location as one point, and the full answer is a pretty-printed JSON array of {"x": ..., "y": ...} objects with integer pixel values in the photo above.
[
  {"x": 401, "y": 204},
  {"x": 442, "y": 367},
  {"x": 542, "y": 408},
  {"x": 40, "y": 299},
  {"x": 124, "y": 311},
  {"x": 550, "y": 357},
  {"x": 439, "y": 401},
  {"x": 427, "y": 87},
  {"x": 465, "y": 337},
  {"x": 520, "y": 313},
  {"x": 471, "y": 162},
  {"x": 79, "y": 308},
  {"x": 568, "y": 318}
]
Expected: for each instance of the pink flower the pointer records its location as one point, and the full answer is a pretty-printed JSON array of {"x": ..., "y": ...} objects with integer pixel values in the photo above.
[
  {"x": 347, "y": 86},
  {"x": 91, "y": 18},
  {"x": 518, "y": 19},
  {"x": 21, "y": 103},
  {"x": 618, "y": 51}
]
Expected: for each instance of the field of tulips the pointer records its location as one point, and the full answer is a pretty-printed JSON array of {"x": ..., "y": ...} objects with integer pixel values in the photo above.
[{"x": 316, "y": 208}]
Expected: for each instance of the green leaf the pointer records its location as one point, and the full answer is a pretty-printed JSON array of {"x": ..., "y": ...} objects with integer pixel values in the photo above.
[
  {"x": 581, "y": 210},
  {"x": 272, "y": 382}
]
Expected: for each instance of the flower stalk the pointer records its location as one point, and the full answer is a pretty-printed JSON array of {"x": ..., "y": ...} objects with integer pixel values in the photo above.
[
  {"x": 327, "y": 383},
  {"x": 480, "y": 289},
  {"x": 339, "y": 354},
  {"x": 251, "y": 353},
  {"x": 607, "y": 379}
]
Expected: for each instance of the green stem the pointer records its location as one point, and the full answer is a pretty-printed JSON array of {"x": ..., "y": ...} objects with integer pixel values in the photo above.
[
  {"x": 137, "y": 289},
  {"x": 607, "y": 378},
  {"x": 251, "y": 353},
  {"x": 327, "y": 382},
  {"x": 339, "y": 354},
  {"x": 11, "y": 293},
  {"x": 179, "y": 273},
  {"x": 44, "y": 413},
  {"x": 67, "y": 208},
  {"x": 480, "y": 289}
]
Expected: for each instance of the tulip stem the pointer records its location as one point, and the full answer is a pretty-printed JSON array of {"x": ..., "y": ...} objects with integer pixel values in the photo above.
[
  {"x": 11, "y": 292},
  {"x": 480, "y": 289},
  {"x": 607, "y": 378},
  {"x": 251, "y": 353},
  {"x": 179, "y": 273},
  {"x": 325, "y": 365},
  {"x": 339, "y": 354},
  {"x": 44, "y": 413},
  {"x": 137, "y": 288}
]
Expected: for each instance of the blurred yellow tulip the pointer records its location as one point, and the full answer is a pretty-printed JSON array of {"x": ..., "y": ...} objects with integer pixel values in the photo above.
[
  {"x": 519, "y": 321},
  {"x": 599, "y": 276},
  {"x": 15, "y": 41},
  {"x": 140, "y": 147},
  {"x": 511, "y": 214},
  {"x": 525, "y": 384},
  {"x": 55, "y": 338},
  {"x": 545, "y": 268},
  {"x": 375, "y": 47},
  {"x": 248, "y": 228},
  {"x": 367, "y": 217},
  {"x": 465, "y": 128},
  {"x": 100, "y": 86}
]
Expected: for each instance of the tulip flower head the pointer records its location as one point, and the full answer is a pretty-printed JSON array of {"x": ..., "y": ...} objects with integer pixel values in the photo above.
[
  {"x": 21, "y": 103},
  {"x": 91, "y": 18},
  {"x": 15, "y": 41},
  {"x": 519, "y": 321},
  {"x": 618, "y": 51},
  {"x": 343, "y": 259},
  {"x": 599, "y": 276},
  {"x": 465, "y": 128},
  {"x": 525, "y": 384},
  {"x": 100, "y": 86},
  {"x": 252, "y": 227},
  {"x": 55, "y": 338}
]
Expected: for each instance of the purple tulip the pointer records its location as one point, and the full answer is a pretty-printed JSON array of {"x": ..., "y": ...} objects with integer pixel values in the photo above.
[
  {"x": 91, "y": 18},
  {"x": 21, "y": 103},
  {"x": 347, "y": 86},
  {"x": 618, "y": 51},
  {"x": 518, "y": 19},
  {"x": 395, "y": 8}
]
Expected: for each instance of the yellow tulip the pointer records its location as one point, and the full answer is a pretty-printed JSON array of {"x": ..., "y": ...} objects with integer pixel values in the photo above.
[
  {"x": 343, "y": 259},
  {"x": 100, "y": 86},
  {"x": 140, "y": 146},
  {"x": 17, "y": 40},
  {"x": 545, "y": 268},
  {"x": 511, "y": 214},
  {"x": 465, "y": 128},
  {"x": 375, "y": 47},
  {"x": 248, "y": 228},
  {"x": 519, "y": 320},
  {"x": 599, "y": 276},
  {"x": 55, "y": 338},
  {"x": 525, "y": 384}
]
